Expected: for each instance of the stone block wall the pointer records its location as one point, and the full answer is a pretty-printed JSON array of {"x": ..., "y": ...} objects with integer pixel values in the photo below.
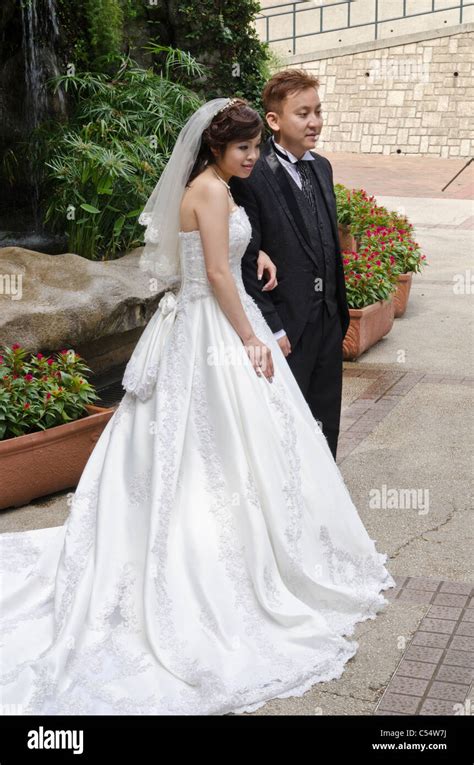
[{"x": 411, "y": 98}]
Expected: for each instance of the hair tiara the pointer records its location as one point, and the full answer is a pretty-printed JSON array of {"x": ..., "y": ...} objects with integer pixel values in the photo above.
[{"x": 231, "y": 102}]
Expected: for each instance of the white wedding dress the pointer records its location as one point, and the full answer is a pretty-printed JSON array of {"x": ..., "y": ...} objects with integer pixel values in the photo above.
[{"x": 212, "y": 558}]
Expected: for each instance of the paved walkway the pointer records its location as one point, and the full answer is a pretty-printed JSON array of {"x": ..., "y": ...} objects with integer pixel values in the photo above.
[
  {"x": 406, "y": 431},
  {"x": 403, "y": 176},
  {"x": 407, "y": 423}
]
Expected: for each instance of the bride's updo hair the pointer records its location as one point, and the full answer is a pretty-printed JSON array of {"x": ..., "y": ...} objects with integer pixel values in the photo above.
[{"x": 236, "y": 122}]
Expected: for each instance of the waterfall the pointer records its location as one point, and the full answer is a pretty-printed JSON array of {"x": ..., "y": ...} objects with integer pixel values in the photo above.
[{"x": 40, "y": 37}]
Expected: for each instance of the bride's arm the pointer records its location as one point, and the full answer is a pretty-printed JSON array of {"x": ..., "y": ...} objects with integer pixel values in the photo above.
[{"x": 212, "y": 212}]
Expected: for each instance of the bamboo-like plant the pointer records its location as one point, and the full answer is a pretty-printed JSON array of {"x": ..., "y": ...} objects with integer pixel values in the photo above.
[{"x": 103, "y": 164}]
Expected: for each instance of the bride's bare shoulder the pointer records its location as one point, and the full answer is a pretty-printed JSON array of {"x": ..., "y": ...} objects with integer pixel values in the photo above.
[
  {"x": 206, "y": 187},
  {"x": 204, "y": 191}
]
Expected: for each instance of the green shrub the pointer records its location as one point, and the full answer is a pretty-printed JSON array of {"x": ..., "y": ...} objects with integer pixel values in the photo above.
[
  {"x": 103, "y": 165},
  {"x": 38, "y": 392}
]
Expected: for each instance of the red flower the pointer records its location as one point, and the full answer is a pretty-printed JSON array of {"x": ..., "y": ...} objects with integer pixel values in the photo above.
[
  {"x": 26, "y": 405},
  {"x": 39, "y": 356},
  {"x": 50, "y": 361},
  {"x": 1, "y": 359},
  {"x": 48, "y": 395},
  {"x": 28, "y": 376}
]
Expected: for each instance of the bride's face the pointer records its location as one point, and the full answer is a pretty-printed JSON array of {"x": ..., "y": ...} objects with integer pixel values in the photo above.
[{"x": 239, "y": 157}]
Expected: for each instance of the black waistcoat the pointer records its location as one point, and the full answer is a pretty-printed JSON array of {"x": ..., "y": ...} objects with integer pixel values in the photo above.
[{"x": 322, "y": 240}]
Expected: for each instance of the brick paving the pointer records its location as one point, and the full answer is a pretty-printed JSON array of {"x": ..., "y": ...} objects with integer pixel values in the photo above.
[
  {"x": 435, "y": 673},
  {"x": 436, "y": 669},
  {"x": 381, "y": 395}
]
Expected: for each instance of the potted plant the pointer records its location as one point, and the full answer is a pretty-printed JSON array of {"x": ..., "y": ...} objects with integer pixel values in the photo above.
[
  {"x": 370, "y": 284},
  {"x": 48, "y": 425},
  {"x": 397, "y": 243},
  {"x": 356, "y": 212},
  {"x": 359, "y": 214},
  {"x": 344, "y": 218}
]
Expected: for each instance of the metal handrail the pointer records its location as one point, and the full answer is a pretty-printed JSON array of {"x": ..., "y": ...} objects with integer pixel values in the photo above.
[{"x": 267, "y": 14}]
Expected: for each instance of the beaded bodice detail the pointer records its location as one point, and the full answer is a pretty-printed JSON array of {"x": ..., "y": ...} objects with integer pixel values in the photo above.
[{"x": 195, "y": 283}]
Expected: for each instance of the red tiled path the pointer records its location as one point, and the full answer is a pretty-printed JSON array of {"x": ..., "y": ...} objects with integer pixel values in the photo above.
[{"x": 403, "y": 176}]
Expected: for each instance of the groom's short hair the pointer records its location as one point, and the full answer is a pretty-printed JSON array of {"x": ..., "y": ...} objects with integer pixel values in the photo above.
[{"x": 282, "y": 84}]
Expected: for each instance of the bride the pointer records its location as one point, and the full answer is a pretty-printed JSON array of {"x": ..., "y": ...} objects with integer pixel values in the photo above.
[{"x": 212, "y": 558}]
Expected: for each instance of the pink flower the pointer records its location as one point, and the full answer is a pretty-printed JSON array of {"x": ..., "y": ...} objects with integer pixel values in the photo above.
[
  {"x": 50, "y": 361},
  {"x": 16, "y": 346},
  {"x": 28, "y": 376},
  {"x": 378, "y": 262},
  {"x": 39, "y": 356},
  {"x": 358, "y": 276},
  {"x": 26, "y": 405},
  {"x": 48, "y": 395},
  {"x": 1, "y": 359}
]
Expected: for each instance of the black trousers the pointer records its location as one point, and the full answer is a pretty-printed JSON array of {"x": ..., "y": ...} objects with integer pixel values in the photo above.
[{"x": 316, "y": 363}]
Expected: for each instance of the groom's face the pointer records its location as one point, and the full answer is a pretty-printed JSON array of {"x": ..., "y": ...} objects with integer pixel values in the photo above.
[{"x": 298, "y": 122}]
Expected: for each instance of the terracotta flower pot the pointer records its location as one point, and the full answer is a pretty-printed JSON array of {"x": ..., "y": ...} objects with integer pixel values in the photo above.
[
  {"x": 368, "y": 325},
  {"x": 46, "y": 461},
  {"x": 346, "y": 240},
  {"x": 401, "y": 295}
]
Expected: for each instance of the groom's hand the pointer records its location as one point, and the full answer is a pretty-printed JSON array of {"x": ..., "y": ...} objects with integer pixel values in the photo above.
[{"x": 284, "y": 344}]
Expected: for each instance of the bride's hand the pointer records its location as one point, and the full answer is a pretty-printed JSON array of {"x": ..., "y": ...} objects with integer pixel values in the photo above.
[
  {"x": 265, "y": 263},
  {"x": 260, "y": 356}
]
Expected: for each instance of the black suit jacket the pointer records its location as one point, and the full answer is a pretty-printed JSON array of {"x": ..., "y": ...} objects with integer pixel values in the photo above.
[{"x": 278, "y": 228}]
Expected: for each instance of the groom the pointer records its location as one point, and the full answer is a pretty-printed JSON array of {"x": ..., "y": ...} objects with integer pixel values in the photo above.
[{"x": 289, "y": 198}]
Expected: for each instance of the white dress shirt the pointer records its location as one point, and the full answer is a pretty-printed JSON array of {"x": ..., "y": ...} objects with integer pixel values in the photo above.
[{"x": 291, "y": 169}]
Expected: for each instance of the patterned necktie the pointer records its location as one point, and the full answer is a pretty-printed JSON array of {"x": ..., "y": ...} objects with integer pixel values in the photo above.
[{"x": 307, "y": 185}]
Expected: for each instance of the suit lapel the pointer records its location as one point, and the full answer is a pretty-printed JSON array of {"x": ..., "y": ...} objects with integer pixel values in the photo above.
[{"x": 281, "y": 184}]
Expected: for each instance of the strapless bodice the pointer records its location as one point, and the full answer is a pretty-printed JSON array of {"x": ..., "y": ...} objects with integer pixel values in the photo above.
[{"x": 195, "y": 283}]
